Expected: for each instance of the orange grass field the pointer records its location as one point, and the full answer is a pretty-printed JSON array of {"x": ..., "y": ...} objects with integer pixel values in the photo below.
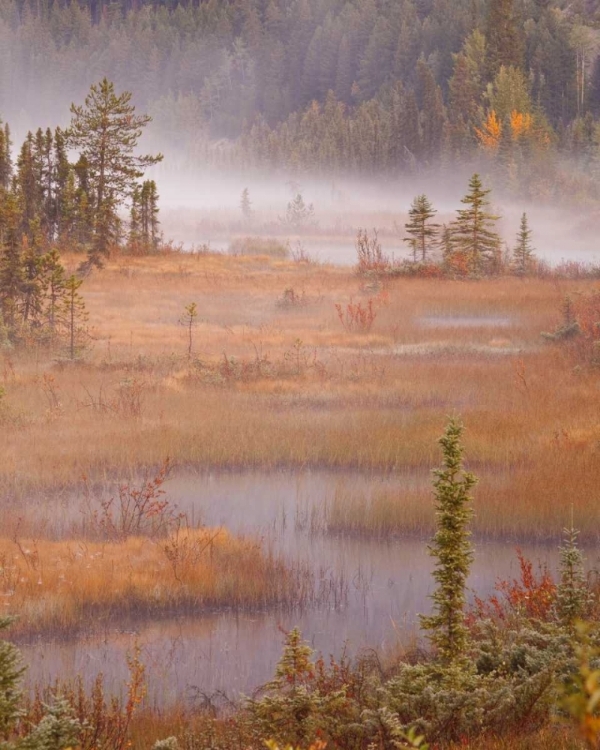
[
  {"x": 277, "y": 378},
  {"x": 58, "y": 588}
]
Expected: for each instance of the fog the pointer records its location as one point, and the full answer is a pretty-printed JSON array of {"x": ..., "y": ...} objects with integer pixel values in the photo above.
[{"x": 202, "y": 206}]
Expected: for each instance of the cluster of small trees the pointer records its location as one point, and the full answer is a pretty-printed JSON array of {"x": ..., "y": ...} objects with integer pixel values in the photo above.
[
  {"x": 51, "y": 201},
  {"x": 48, "y": 202},
  {"x": 470, "y": 244}
]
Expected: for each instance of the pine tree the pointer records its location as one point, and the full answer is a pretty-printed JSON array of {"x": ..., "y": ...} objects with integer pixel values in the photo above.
[
  {"x": 11, "y": 672},
  {"x": 572, "y": 593},
  {"x": 74, "y": 317},
  {"x": 523, "y": 254},
  {"x": 473, "y": 233},
  {"x": 298, "y": 214},
  {"x": 423, "y": 234},
  {"x": 150, "y": 199},
  {"x": 5, "y": 158},
  {"x": 106, "y": 130},
  {"x": 246, "y": 205},
  {"x": 451, "y": 547},
  {"x": 504, "y": 36},
  {"x": 52, "y": 281},
  {"x": 135, "y": 220},
  {"x": 189, "y": 320},
  {"x": 63, "y": 187},
  {"x": 12, "y": 278}
]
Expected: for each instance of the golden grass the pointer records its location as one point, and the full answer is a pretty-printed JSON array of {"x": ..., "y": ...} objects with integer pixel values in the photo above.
[
  {"x": 274, "y": 385},
  {"x": 62, "y": 587}
]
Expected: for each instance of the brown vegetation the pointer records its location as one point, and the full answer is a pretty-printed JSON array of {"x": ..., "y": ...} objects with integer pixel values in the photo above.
[
  {"x": 290, "y": 387},
  {"x": 60, "y": 588}
]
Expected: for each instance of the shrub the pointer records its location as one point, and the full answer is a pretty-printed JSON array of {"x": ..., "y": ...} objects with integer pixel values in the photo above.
[{"x": 259, "y": 246}]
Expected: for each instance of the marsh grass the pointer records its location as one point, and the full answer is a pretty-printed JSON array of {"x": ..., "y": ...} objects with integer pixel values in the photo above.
[
  {"x": 61, "y": 588},
  {"x": 271, "y": 388}
]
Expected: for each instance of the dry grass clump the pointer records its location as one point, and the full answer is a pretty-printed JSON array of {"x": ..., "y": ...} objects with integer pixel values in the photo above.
[{"x": 63, "y": 587}]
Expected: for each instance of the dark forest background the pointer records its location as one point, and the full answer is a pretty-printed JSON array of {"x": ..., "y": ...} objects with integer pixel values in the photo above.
[{"x": 363, "y": 87}]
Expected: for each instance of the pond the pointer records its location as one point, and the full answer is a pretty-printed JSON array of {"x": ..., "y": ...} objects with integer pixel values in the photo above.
[{"x": 373, "y": 590}]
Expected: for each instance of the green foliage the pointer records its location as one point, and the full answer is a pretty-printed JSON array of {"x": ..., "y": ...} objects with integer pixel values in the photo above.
[
  {"x": 572, "y": 594},
  {"x": 11, "y": 671},
  {"x": 189, "y": 319},
  {"x": 570, "y": 327},
  {"x": 579, "y": 695},
  {"x": 298, "y": 214},
  {"x": 523, "y": 254},
  {"x": 306, "y": 701},
  {"x": 58, "y": 730},
  {"x": 473, "y": 232},
  {"x": 246, "y": 205},
  {"x": 423, "y": 234},
  {"x": 451, "y": 547},
  {"x": 75, "y": 317},
  {"x": 105, "y": 130}
]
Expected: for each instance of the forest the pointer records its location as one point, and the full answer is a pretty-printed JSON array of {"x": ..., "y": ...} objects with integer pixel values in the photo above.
[{"x": 330, "y": 86}]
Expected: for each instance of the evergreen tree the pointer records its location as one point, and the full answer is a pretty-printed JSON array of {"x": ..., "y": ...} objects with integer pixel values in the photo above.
[
  {"x": 11, "y": 672},
  {"x": 433, "y": 115},
  {"x": 52, "y": 282},
  {"x": 423, "y": 234},
  {"x": 12, "y": 278},
  {"x": 504, "y": 37},
  {"x": 466, "y": 90},
  {"x": 298, "y": 214},
  {"x": 246, "y": 205},
  {"x": 148, "y": 209},
  {"x": 63, "y": 186},
  {"x": 74, "y": 317},
  {"x": 135, "y": 220},
  {"x": 451, "y": 547},
  {"x": 106, "y": 131},
  {"x": 472, "y": 231},
  {"x": 5, "y": 158},
  {"x": 572, "y": 593},
  {"x": 523, "y": 254}
]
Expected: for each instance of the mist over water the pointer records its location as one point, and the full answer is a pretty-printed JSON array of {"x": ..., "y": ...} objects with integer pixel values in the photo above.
[
  {"x": 200, "y": 207},
  {"x": 386, "y": 584}
]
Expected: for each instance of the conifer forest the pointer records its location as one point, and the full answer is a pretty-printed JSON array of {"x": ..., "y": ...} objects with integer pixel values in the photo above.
[{"x": 299, "y": 374}]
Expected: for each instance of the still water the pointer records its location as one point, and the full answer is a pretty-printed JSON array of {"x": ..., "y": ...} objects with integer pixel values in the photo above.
[{"x": 371, "y": 590}]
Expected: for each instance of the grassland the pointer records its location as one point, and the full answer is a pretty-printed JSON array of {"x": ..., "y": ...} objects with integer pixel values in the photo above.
[{"x": 278, "y": 378}]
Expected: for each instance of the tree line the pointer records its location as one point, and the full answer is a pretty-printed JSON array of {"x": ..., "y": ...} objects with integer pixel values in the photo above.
[
  {"x": 50, "y": 201},
  {"x": 347, "y": 85}
]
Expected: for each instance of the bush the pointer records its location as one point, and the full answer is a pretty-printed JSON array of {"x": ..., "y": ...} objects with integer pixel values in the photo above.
[{"x": 259, "y": 246}]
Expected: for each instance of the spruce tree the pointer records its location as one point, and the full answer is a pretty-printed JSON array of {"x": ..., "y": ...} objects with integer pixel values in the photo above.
[
  {"x": 472, "y": 231},
  {"x": 504, "y": 37},
  {"x": 74, "y": 317},
  {"x": 52, "y": 282},
  {"x": 451, "y": 547},
  {"x": 135, "y": 220},
  {"x": 5, "y": 158},
  {"x": 246, "y": 205},
  {"x": 63, "y": 187},
  {"x": 523, "y": 254},
  {"x": 11, "y": 672},
  {"x": 572, "y": 593},
  {"x": 106, "y": 130},
  {"x": 423, "y": 234},
  {"x": 150, "y": 222},
  {"x": 12, "y": 276}
]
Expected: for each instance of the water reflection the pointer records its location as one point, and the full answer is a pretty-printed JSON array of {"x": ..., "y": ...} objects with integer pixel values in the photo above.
[{"x": 385, "y": 583}]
